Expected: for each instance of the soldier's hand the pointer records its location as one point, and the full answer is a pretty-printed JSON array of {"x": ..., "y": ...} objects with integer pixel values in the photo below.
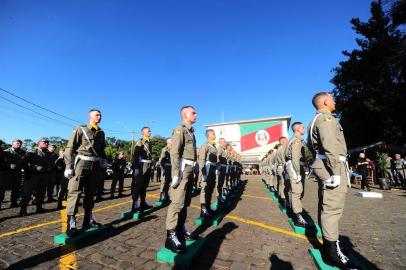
[
  {"x": 204, "y": 178},
  {"x": 68, "y": 173},
  {"x": 298, "y": 179},
  {"x": 333, "y": 181},
  {"x": 136, "y": 172},
  {"x": 175, "y": 182},
  {"x": 13, "y": 166}
]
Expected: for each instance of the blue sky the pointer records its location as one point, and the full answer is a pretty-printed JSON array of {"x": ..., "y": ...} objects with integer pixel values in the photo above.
[{"x": 140, "y": 61}]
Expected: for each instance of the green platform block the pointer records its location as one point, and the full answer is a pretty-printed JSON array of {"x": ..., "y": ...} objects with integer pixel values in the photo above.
[
  {"x": 63, "y": 239},
  {"x": 215, "y": 221},
  {"x": 283, "y": 209},
  {"x": 301, "y": 230},
  {"x": 164, "y": 255},
  {"x": 161, "y": 203},
  {"x": 138, "y": 214}
]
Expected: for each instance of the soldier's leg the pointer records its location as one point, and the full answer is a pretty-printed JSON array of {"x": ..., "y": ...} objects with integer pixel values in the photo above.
[
  {"x": 75, "y": 187},
  {"x": 15, "y": 187},
  {"x": 89, "y": 189},
  {"x": 220, "y": 183},
  {"x": 50, "y": 183},
  {"x": 145, "y": 184},
  {"x": 62, "y": 191},
  {"x": 136, "y": 186},
  {"x": 332, "y": 205},
  {"x": 41, "y": 189},
  {"x": 113, "y": 184},
  {"x": 210, "y": 185},
  {"x": 121, "y": 183},
  {"x": 2, "y": 186},
  {"x": 203, "y": 191},
  {"x": 28, "y": 188},
  {"x": 296, "y": 189}
]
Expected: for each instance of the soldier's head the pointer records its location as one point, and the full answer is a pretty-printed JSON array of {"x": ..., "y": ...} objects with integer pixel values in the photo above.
[
  {"x": 397, "y": 156},
  {"x": 283, "y": 140},
  {"x": 210, "y": 135},
  {"x": 146, "y": 132},
  {"x": 43, "y": 143},
  {"x": 61, "y": 152},
  {"x": 51, "y": 148},
  {"x": 120, "y": 155},
  {"x": 222, "y": 142},
  {"x": 16, "y": 144},
  {"x": 169, "y": 142},
  {"x": 298, "y": 128},
  {"x": 362, "y": 155},
  {"x": 324, "y": 100},
  {"x": 188, "y": 114},
  {"x": 95, "y": 116},
  {"x": 229, "y": 147}
]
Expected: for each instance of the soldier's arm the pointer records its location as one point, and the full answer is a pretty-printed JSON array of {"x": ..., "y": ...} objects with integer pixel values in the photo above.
[
  {"x": 71, "y": 148},
  {"x": 202, "y": 158},
  {"x": 296, "y": 149},
  {"x": 103, "y": 151},
  {"x": 329, "y": 142},
  {"x": 176, "y": 150},
  {"x": 162, "y": 156},
  {"x": 136, "y": 156}
]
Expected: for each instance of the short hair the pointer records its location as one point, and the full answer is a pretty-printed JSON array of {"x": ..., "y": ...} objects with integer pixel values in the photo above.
[
  {"x": 295, "y": 124},
  {"x": 17, "y": 140},
  {"x": 144, "y": 128},
  {"x": 94, "y": 110},
  {"x": 281, "y": 138},
  {"x": 317, "y": 97},
  {"x": 186, "y": 107},
  {"x": 208, "y": 131}
]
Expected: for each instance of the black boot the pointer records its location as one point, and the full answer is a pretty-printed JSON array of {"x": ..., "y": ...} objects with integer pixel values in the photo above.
[
  {"x": 89, "y": 221},
  {"x": 299, "y": 221},
  {"x": 144, "y": 205},
  {"x": 134, "y": 207},
  {"x": 283, "y": 203},
  {"x": 40, "y": 210},
  {"x": 332, "y": 255},
  {"x": 59, "y": 206},
  {"x": 172, "y": 242},
  {"x": 184, "y": 234},
  {"x": 71, "y": 229},
  {"x": 204, "y": 212},
  {"x": 23, "y": 211}
]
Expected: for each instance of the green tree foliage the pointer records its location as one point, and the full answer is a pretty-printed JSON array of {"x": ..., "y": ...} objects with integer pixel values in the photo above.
[
  {"x": 370, "y": 85},
  {"x": 158, "y": 143}
]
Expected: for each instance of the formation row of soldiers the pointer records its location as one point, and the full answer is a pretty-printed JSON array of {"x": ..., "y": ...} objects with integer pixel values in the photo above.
[
  {"x": 285, "y": 167},
  {"x": 38, "y": 172}
]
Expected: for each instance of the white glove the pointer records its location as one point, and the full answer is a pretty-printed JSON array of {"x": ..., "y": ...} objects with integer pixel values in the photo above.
[
  {"x": 217, "y": 172},
  {"x": 136, "y": 172},
  {"x": 298, "y": 179},
  {"x": 39, "y": 168},
  {"x": 204, "y": 177},
  {"x": 333, "y": 181},
  {"x": 175, "y": 182},
  {"x": 103, "y": 163},
  {"x": 68, "y": 173},
  {"x": 13, "y": 166}
]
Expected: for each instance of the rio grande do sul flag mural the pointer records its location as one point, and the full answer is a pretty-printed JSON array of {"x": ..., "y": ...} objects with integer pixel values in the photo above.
[{"x": 259, "y": 134}]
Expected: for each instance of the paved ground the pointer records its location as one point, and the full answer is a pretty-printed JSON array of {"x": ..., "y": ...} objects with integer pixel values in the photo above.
[{"x": 254, "y": 235}]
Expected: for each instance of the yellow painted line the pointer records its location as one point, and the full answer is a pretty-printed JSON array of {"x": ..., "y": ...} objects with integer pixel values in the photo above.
[
  {"x": 67, "y": 261},
  {"x": 258, "y": 197},
  {"x": 29, "y": 228}
]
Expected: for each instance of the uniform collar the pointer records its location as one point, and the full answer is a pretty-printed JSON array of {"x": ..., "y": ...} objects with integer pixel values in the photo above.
[
  {"x": 325, "y": 111},
  {"x": 91, "y": 127},
  {"x": 188, "y": 126},
  {"x": 298, "y": 136},
  {"x": 146, "y": 139}
]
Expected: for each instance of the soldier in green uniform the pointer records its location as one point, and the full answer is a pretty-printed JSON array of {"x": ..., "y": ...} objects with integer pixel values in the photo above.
[
  {"x": 13, "y": 175},
  {"x": 295, "y": 154},
  {"x": 63, "y": 181},
  {"x": 53, "y": 175},
  {"x": 326, "y": 140},
  {"x": 3, "y": 168},
  {"x": 280, "y": 170},
  {"x": 84, "y": 159},
  {"x": 165, "y": 163},
  {"x": 207, "y": 164},
  {"x": 142, "y": 162},
  {"x": 399, "y": 164},
  {"x": 183, "y": 158},
  {"x": 37, "y": 165},
  {"x": 221, "y": 171},
  {"x": 118, "y": 167},
  {"x": 272, "y": 173}
]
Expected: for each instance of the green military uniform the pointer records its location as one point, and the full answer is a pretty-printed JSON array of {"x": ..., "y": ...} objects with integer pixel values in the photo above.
[
  {"x": 295, "y": 153},
  {"x": 87, "y": 143},
  {"x": 326, "y": 138},
  {"x": 52, "y": 181},
  {"x": 207, "y": 166},
  {"x": 222, "y": 156},
  {"x": 118, "y": 167},
  {"x": 183, "y": 158},
  {"x": 272, "y": 174},
  {"x": 12, "y": 174},
  {"x": 63, "y": 181},
  {"x": 165, "y": 163},
  {"x": 142, "y": 163},
  {"x": 280, "y": 171},
  {"x": 400, "y": 171},
  {"x": 37, "y": 165}
]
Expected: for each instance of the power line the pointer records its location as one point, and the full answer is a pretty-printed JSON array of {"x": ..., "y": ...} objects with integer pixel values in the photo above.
[{"x": 50, "y": 111}]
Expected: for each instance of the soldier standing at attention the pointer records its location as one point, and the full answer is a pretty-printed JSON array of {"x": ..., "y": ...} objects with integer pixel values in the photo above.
[
  {"x": 37, "y": 165},
  {"x": 165, "y": 163},
  {"x": 280, "y": 169},
  {"x": 118, "y": 167},
  {"x": 221, "y": 169},
  {"x": 12, "y": 175},
  {"x": 87, "y": 142},
  {"x": 207, "y": 165},
  {"x": 326, "y": 139},
  {"x": 183, "y": 158},
  {"x": 142, "y": 170},
  {"x": 295, "y": 154}
]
